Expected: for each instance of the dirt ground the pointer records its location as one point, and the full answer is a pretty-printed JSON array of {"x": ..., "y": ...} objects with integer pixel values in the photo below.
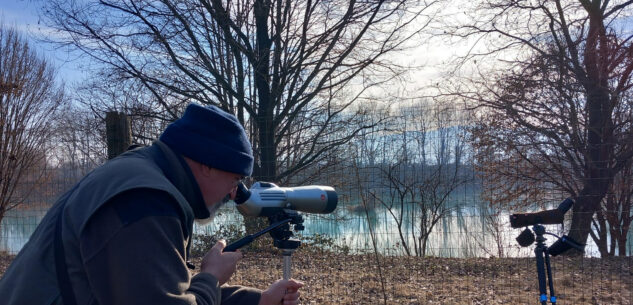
[{"x": 357, "y": 279}]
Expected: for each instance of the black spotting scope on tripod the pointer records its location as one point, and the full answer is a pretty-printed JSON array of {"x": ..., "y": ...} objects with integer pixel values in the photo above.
[{"x": 542, "y": 252}]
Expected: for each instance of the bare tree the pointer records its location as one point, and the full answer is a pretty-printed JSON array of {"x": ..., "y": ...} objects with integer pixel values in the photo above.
[
  {"x": 280, "y": 66},
  {"x": 29, "y": 99},
  {"x": 613, "y": 218},
  {"x": 421, "y": 168},
  {"x": 80, "y": 144},
  {"x": 493, "y": 227},
  {"x": 551, "y": 88}
]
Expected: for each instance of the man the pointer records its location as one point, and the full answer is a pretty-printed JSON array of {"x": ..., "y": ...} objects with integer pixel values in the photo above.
[{"x": 122, "y": 235}]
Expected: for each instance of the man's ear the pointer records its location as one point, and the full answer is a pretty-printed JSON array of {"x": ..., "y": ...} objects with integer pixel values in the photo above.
[
  {"x": 198, "y": 168},
  {"x": 205, "y": 170}
]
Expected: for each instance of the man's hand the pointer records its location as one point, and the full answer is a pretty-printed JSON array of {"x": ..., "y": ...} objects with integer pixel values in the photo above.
[
  {"x": 221, "y": 265},
  {"x": 284, "y": 292}
]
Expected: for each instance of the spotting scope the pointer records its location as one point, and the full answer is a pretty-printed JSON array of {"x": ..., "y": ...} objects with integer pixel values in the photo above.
[
  {"x": 549, "y": 217},
  {"x": 265, "y": 198},
  {"x": 281, "y": 205}
]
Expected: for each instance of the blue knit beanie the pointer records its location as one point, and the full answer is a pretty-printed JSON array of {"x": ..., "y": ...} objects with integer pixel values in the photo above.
[{"x": 212, "y": 137}]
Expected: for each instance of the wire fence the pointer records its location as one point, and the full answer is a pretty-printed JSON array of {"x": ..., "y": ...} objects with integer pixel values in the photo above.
[
  {"x": 357, "y": 254},
  {"x": 466, "y": 228},
  {"x": 412, "y": 227}
]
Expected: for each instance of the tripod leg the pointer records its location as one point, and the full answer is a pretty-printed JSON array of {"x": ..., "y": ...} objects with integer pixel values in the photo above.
[
  {"x": 540, "y": 269},
  {"x": 552, "y": 296}
]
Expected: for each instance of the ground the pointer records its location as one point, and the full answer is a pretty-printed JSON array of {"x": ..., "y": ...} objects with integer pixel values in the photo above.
[{"x": 355, "y": 279}]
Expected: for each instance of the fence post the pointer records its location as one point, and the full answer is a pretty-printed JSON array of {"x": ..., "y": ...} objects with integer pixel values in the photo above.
[{"x": 118, "y": 133}]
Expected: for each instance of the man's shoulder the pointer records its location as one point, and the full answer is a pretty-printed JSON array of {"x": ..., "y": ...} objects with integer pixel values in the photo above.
[
  {"x": 131, "y": 187},
  {"x": 131, "y": 162},
  {"x": 129, "y": 177},
  {"x": 142, "y": 207},
  {"x": 135, "y": 204}
]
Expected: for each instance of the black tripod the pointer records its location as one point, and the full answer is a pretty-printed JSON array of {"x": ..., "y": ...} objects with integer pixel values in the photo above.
[
  {"x": 542, "y": 254},
  {"x": 281, "y": 232},
  {"x": 526, "y": 238}
]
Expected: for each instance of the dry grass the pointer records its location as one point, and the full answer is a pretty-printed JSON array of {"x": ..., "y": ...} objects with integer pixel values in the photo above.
[
  {"x": 355, "y": 279},
  {"x": 5, "y": 260}
]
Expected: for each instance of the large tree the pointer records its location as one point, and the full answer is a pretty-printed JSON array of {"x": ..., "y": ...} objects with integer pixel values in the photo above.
[
  {"x": 29, "y": 99},
  {"x": 554, "y": 78},
  {"x": 285, "y": 68}
]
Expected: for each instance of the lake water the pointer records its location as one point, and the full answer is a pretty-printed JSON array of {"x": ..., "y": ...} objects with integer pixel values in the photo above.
[
  {"x": 16, "y": 228},
  {"x": 463, "y": 234}
]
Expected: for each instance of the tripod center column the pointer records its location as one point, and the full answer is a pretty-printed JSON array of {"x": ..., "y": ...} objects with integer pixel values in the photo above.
[{"x": 287, "y": 254}]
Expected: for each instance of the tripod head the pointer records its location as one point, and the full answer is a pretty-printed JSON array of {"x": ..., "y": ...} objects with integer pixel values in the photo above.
[
  {"x": 282, "y": 223},
  {"x": 282, "y": 235}
]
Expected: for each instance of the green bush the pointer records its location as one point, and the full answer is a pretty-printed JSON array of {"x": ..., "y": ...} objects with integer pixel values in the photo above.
[
  {"x": 203, "y": 242},
  {"x": 321, "y": 243},
  {"x": 232, "y": 232}
]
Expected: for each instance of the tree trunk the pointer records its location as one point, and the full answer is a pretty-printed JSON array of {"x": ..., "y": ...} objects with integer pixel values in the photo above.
[
  {"x": 266, "y": 130},
  {"x": 405, "y": 245},
  {"x": 600, "y": 142},
  {"x": 613, "y": 242},
  {"x": 582, "y": 214},
  {"x": 626, "y": 225},
  {"x": 622, "y": 246},
  {"x": 624, "y": 231},
  {"x": 601, "y": 237},
  {"x": 118, "y": 133},
  {"x": 266, "y": 171},
  {"x": 424, "y": 243}
]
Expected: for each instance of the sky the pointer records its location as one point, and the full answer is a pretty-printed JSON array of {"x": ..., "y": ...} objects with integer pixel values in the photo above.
[{"x": 23, "y": 16}]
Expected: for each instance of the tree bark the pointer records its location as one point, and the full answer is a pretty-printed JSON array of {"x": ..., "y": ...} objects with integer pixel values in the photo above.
[
  {"x": 266, "y": 130},
  {"x": 118, "y": 133},
  {"x": 600, "y": 237}
]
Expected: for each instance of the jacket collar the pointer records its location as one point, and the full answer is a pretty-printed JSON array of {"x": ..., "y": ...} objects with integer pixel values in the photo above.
[{"x": 180, "y": 175}]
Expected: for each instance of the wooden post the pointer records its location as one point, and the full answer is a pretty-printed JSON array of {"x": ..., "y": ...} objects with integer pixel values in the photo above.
[{"x": 118, "y": 133}]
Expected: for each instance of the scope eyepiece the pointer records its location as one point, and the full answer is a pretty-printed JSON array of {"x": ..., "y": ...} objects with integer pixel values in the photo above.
[
  {"x": 563, "y": 244},
  {"x": 242, "y": 193}
]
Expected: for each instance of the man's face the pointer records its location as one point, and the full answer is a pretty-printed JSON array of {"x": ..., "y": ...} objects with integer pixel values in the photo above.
[{"x": 217, "y": 186}]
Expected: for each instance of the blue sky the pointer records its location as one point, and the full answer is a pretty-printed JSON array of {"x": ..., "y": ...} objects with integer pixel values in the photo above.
[{"x": 23, "y": 16}]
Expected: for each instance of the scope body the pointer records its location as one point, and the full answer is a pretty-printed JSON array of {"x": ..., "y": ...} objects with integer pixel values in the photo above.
[
  {"x": 548, "y": 217},
  {"x": 265, "y": 197}
]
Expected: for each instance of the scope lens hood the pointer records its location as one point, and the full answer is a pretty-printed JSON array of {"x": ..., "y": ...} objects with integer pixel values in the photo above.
[{"x": 332, "y": 201}]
